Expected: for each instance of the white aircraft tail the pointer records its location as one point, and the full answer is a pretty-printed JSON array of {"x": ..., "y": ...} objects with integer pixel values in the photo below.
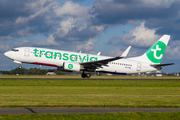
[{"x": 155, "y": 54}]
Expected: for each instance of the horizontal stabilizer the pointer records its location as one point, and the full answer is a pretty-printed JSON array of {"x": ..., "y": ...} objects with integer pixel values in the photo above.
[{"x": 161, "y": 65}]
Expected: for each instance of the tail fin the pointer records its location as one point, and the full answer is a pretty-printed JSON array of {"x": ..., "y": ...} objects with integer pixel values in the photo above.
[{"x": 155, "y": 53}]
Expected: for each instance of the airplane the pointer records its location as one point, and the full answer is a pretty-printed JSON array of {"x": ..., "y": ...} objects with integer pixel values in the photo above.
[{"x": 74, "y": 61}]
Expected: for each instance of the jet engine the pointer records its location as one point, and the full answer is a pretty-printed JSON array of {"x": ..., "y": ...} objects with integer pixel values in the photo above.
[{"x": 72, "y": 66}]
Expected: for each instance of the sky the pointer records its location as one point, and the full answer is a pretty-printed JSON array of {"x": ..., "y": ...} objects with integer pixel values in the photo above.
[{"x": 90, "y": 26}]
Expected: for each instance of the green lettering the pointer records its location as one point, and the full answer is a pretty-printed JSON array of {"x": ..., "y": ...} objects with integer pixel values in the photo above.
[
  {"x": 41, "y": 51},
  {"x": 57, "y": 53},
  {"x": 95, "y": 58},
  {"x": 35, "y": 51},
  {"x": 65, "y": 55},
  {"x": 50, "y": 55},
  {"x": 82, "y": 59},
  {"x": 71, "y": 57},
  {"x": 87, "y": 58}
]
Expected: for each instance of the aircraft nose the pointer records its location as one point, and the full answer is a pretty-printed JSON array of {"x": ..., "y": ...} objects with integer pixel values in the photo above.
[{"x": 7, "y": 54}]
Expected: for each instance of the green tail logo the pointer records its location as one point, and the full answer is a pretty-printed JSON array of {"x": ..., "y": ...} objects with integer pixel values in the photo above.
[{"x": 155, "y": 53}]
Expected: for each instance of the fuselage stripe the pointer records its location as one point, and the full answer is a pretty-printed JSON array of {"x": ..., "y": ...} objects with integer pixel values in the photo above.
[{"x": 38, "y": 63}]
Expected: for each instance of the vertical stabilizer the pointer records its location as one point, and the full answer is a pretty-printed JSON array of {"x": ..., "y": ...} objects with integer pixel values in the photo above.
[{"x": 155, "y": 54}]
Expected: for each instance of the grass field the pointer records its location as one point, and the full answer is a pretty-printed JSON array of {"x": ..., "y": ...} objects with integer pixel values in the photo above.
[
  {"x": 92, "y": 77},
  {"x": 107, "y": 116},
  {"x": 89, "y": 93}
]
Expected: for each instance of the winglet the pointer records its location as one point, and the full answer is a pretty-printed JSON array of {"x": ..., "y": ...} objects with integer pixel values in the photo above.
[
  {"x": 99, "y": 53},
  {"x": 125, "y": 52}
]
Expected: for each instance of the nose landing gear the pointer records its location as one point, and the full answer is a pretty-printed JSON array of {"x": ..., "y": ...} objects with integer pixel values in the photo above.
[
  {"x": 83, "y": 75},
  {"x": 18, "y": 63},
  {"x": 20, "y": 66}
]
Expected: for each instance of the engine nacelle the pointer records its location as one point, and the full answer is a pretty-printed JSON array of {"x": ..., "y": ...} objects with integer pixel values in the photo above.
[
  {"x": 62, "y": 69},
  {"x": 72, "y": 66}
]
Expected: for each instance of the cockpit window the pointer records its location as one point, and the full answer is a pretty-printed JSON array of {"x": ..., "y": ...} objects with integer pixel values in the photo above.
[{"x": 15, "y": 50}]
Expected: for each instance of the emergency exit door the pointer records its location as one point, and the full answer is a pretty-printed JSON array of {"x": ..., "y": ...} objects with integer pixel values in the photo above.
[{"x": 138, "y": 66}]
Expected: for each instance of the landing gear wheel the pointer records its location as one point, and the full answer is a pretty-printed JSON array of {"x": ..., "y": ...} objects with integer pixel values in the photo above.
[
  {"x": 83, "y": 75},
  {"x": 88, "y": 75}
]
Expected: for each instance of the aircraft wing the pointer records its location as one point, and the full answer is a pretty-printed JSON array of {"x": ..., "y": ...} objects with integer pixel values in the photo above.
[
  {"x": 104, "y": 62},
  {"x": 161, "y": 65}
]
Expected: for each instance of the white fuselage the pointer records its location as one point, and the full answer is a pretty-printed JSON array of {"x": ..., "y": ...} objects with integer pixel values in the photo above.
[{"x": 56, "y": 58}]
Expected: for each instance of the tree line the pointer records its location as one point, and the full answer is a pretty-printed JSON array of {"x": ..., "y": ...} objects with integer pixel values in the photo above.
[{"x": 31, "y": 71}]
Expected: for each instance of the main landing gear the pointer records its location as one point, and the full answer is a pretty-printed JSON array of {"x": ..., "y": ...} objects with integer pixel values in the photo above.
[{"x": 83, "y": 75}]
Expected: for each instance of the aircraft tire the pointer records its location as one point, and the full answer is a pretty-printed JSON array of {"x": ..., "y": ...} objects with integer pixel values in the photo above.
[
  {"x": 83, "y": 75},
  {"x": 88, "y": 75}
]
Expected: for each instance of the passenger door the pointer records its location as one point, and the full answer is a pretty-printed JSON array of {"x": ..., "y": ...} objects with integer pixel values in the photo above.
[{"x": 26, "y": 52}]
